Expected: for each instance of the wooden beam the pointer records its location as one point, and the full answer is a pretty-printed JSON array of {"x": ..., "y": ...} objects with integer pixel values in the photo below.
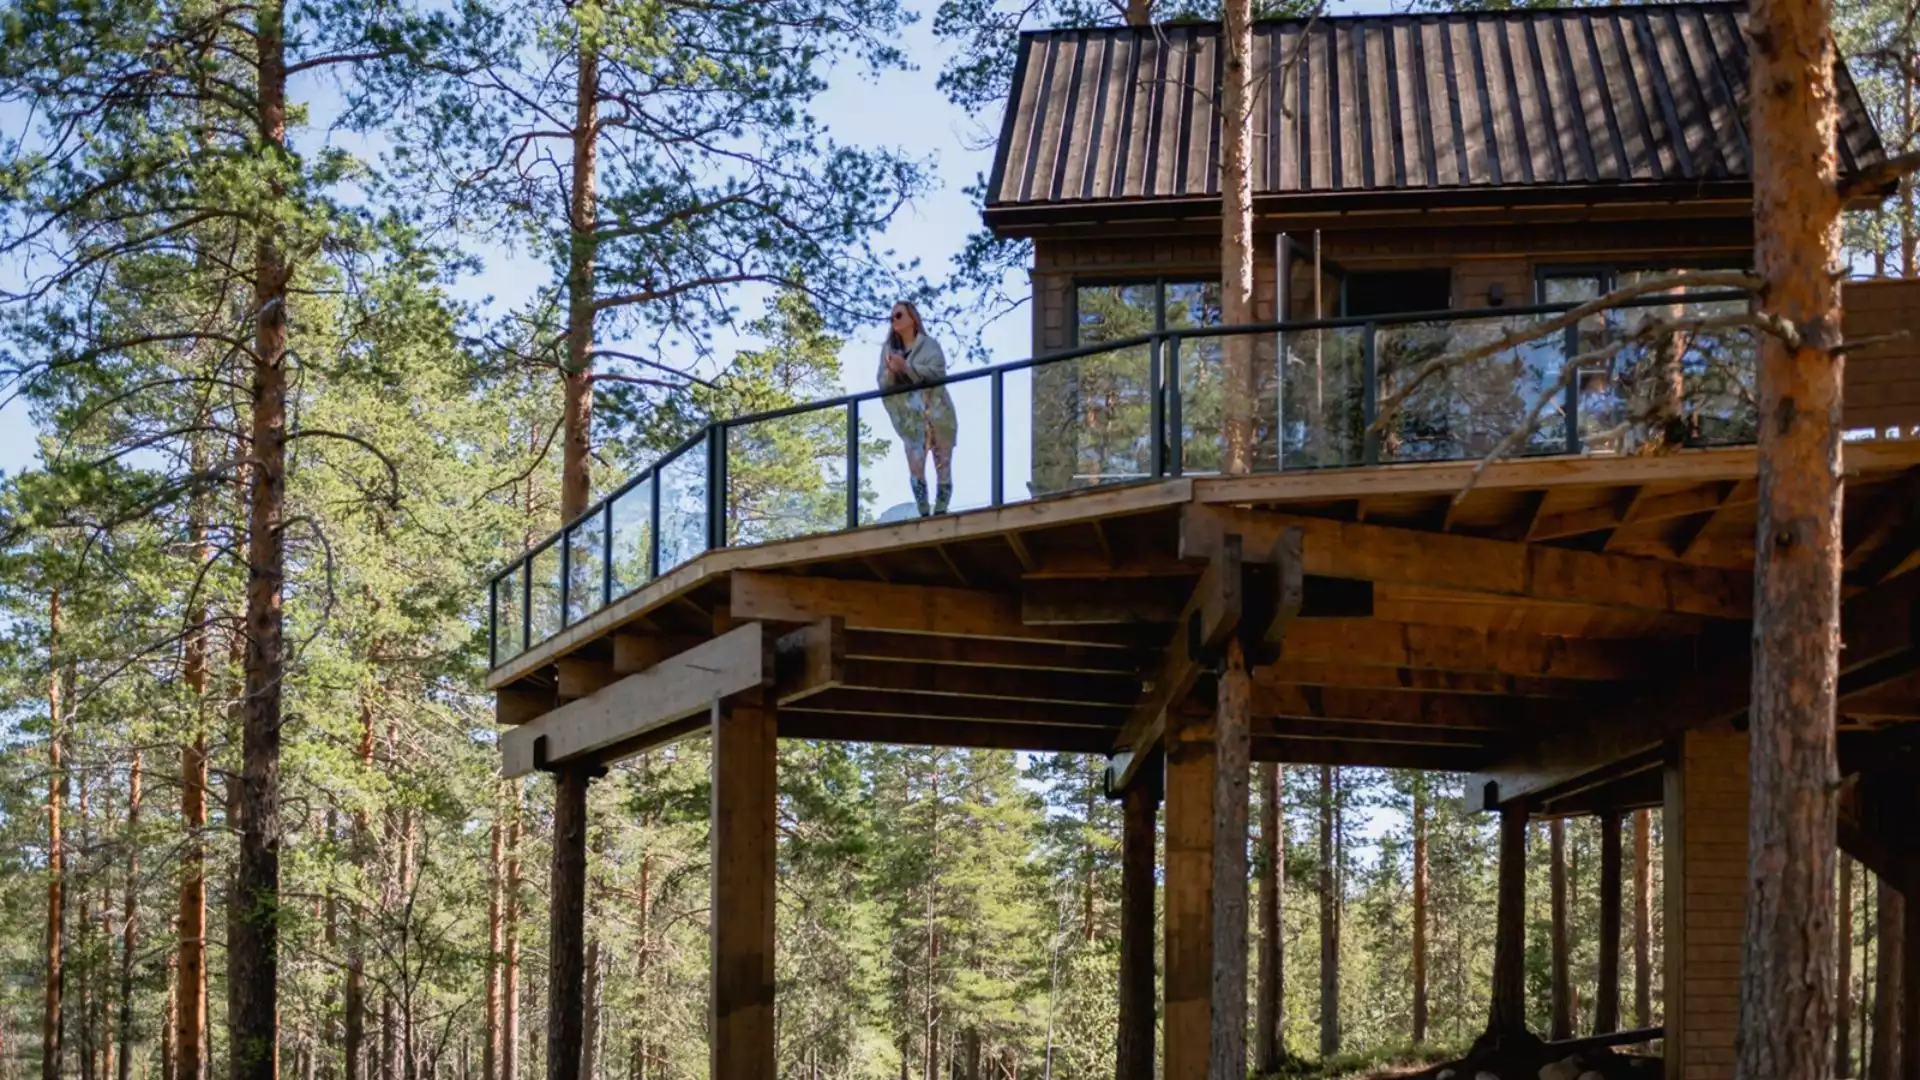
[
  {"x": 1606, "y": 1005},
  {"x": 1188, "y": 937},
  {"x": 1065, "y": 687},
  {"x": 857, "y": 702},
  {"x": 1076, "y": 602},
  {"x": 1020, "y": 551},
  {"x": 1585, "y": 519},
  {"x": 1897, "y": 521},
  {"x": 803, "y": 723},
  {"x": 579, "y": 676},
  {"x": 1394, "y": 556},
  {"x": 952, "y": 566},
  {"x": 644, "y": 704},
  {"x": 1454, "y": 648},
  {"x": 1372, "y": 755},
  {"x": 1469, "y": 712},
  {"x": 1370, "y": 731},
  {"x": 741, "y": 1020},
  {"x": 516, "y": 705},
  {"x": 1212, "y": 613},
  {"x": 1140, "y": 808},
  {"x": 634, "y": 653},
  {"x": 1377, "y": 677},
  {"x": 993, "y": 652},
  {"x": 919, "y": 609},
  {"x": 811, "y": 660},
  {"x": 1880, "y": 642}
]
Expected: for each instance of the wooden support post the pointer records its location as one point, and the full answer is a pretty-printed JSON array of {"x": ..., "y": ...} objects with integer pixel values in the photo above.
[
  {"x": 1508, "y": 1015},
  {"x": 740, "y": 1027},
  {"x": 567, "y": 919},
  {"x": 1606, "y": 1002},
  {"x": 1704, "y": 843},
  {"x": 1189, "y": 895},
  {"x": 1140, "y": 807},
  {"x": 1560, "y": 999},
  {"x": 1910, "y": 979},
  {"x": 1232, "y": 761}
]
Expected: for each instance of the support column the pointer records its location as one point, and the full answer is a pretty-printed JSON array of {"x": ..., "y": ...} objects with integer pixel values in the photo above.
[
  {"x": 1232, "y": 770},
  {"x": 1706, "y": 879},
  {"x": 1606, "y": 1000},
  {"x": 740, "y": 1027},
  {"x": 1140, "y": 806},
  {"x": 1910, "y": 979},
  {"x": 1508, "y": 1016},
  {"x": 1189, "y": 895},
  {"x": 567, "y": 920}
]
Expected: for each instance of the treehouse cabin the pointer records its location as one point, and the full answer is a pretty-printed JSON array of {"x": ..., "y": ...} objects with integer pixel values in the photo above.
[{"x": 1570, "y": 622}]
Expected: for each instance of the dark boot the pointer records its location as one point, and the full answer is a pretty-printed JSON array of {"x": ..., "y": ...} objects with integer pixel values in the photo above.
[
  {"x": 943, "y": 494},
  {"x": 919, "y": 485}
]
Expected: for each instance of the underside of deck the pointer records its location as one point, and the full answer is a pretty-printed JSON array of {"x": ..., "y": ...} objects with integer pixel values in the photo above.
[{"x": 1550, "y": 629}]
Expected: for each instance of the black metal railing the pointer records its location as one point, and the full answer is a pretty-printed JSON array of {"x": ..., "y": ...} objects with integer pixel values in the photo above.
[{"x": 1146, "y": 407}]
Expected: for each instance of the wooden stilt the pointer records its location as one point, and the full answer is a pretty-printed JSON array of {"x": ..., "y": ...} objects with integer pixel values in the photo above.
[
  {"x": 1140, "y": 807},
  {"x": 1189, "y": 896},
  {"x": 1560, "y": 1011},
  {"x": 567, "y": 921},
  {"x": 1228, "y": 1055},
  {"x": 1910, "y": 979},
  {"x": 1508, "y": 1015},
  {"x": 744, "y": 754},
  {"x": 1606, "y": 1002}
]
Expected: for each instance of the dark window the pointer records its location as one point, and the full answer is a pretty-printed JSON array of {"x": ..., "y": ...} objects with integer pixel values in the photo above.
[{"x": 1395, "y": 292}]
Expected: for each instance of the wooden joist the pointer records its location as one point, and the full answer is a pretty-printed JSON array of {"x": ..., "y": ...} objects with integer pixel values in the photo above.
[
  {"x": 1453, "y": 648},
  {"x": 801, "y": 722},
  {"x": 1436, "y": 711},
  {"x": 1394, "y": 556},
  {"x": 623, "y": 716},
  {"x": 859, "y": 702},
  {"x": 1381, "y": 677},
  {"x": 919, "y": 609},
  {"x": 1880, "y": 642}
]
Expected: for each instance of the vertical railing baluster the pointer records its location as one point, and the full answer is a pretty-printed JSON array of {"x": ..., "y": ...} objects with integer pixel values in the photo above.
[
  {"x": 653, "y": 524},
  {"x": 493, "y": 623},
  {"x": 997, "y": 425},
  {"x": 1156, "y": 411},
  {"x": 606, "y": 551},
  {"x": 1176, "y": 436},
  {"x": 853, "y": 464},
  {"x": 526, "y": 602},
  {"x": 1370, "y": 395},
  {"x": 566, "y": 574}
]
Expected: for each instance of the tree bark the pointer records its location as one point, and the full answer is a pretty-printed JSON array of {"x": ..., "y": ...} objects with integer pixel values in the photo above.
[
  {"x": 52, "y": 1029},
  {"x": 1134, "y": 1049},
  {"x": 1910, "y": 979},
  {"x": 1843, "y": 984},
  {"x": 1891, "y": 932},
  {"x": 190, "y": 972},
  {"x": 1228, "y": 1059},
  {"x": 255, "y": 952},
  {"x": 1419, "y": 908},
  {"x": 130, "y": 921},
  {"x": 1269, "y": 1048},
  {"x": 1560, "y": 1017},
  {"x": 1508, "y": 1016},
  {"x": 567, "y": 923},
  {"x": 1786, "y": 996},
  {"x": 1606, "y": 1003},
  {"x": 590, "y": 1023},
  {"x": 489, "y": 1053},
  {"x": 576, "y": 482},
  {"x": 510, "y": 918},
  {"x": 1236, "y": 232},
  {"x": 1329, "y": 924},
  {"x": 1643, "y": 918}
]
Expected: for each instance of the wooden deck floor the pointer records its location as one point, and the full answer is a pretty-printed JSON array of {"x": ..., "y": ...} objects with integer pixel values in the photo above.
[{"x": 1435, "y": 633}]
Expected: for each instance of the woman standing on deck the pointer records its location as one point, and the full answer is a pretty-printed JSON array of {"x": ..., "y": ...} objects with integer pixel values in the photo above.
[{"x": 924, "y": 419}]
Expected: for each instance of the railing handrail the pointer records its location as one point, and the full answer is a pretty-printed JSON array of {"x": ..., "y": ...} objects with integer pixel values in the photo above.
[{"x": 1345, "y": 322}]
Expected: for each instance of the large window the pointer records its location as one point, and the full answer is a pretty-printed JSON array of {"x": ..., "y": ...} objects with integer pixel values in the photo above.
[{"x": 1690, "y": 385}]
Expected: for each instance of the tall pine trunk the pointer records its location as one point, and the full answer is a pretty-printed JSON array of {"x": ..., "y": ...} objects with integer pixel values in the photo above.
[
  {"x": 576, "y": 485},
  {"x": 1891, "y": 935},
  {"x": 1560, "y": 1019},
  {"x": 1419, "y": 908},
  {"x": 52, "y": 1029},
  {"x": 510, "y": 929},
  {"x": 489, "y": 1053},
  {"x": 190, "y": 970},
  {"x": 1643, "y": 918},
  {"x": 252, "y": 1054},
  {"x": 1786, "y": 986},
  {"x": 1236, "y": 236},
  {"x": 1269, "y": 1043},
  {"x": 1329, "y": 923},
  {"x": 1843, "y": 985},
  {"x": 129, "y": 917}
]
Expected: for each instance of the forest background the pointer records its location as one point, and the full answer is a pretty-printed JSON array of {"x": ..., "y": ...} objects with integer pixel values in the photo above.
[{"x": 930, "y": 900}]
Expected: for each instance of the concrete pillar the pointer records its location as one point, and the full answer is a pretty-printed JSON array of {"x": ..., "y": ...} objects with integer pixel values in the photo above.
[{"x": 1706, "y": 875}]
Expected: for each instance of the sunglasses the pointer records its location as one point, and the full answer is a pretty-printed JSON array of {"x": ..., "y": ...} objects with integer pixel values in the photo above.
[{"x": 898, "y": 315}]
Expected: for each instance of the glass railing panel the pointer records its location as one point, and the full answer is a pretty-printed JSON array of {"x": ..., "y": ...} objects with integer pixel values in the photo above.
[
  {"x": 1687, "y": 385},
  {"x": 632, "y": 523},
  {"x": 911, "y": 438},
  {"x": 508, "y": 629},
  {"x": 972, "y": 453},
  {"x": 683, "y": 507},
  {"x": 1216, "y": 375},
  {"x": 1020, "y": 438},
  {"x": 586, "y": 562},
  {"x": 1322, "y": 398},
  {"x": 1464, "y": 410},
  {"x": 787, "y": 476},
  {"x": 1092, "y": 420},
  {"x": 544, "y": 568}
]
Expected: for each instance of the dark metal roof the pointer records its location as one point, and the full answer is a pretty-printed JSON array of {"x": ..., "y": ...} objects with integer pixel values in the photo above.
[{"x": 1433, "y": 108}]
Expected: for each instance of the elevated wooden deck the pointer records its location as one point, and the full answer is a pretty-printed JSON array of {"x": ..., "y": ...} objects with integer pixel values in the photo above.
[{"x": 1563, "y": 609}]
